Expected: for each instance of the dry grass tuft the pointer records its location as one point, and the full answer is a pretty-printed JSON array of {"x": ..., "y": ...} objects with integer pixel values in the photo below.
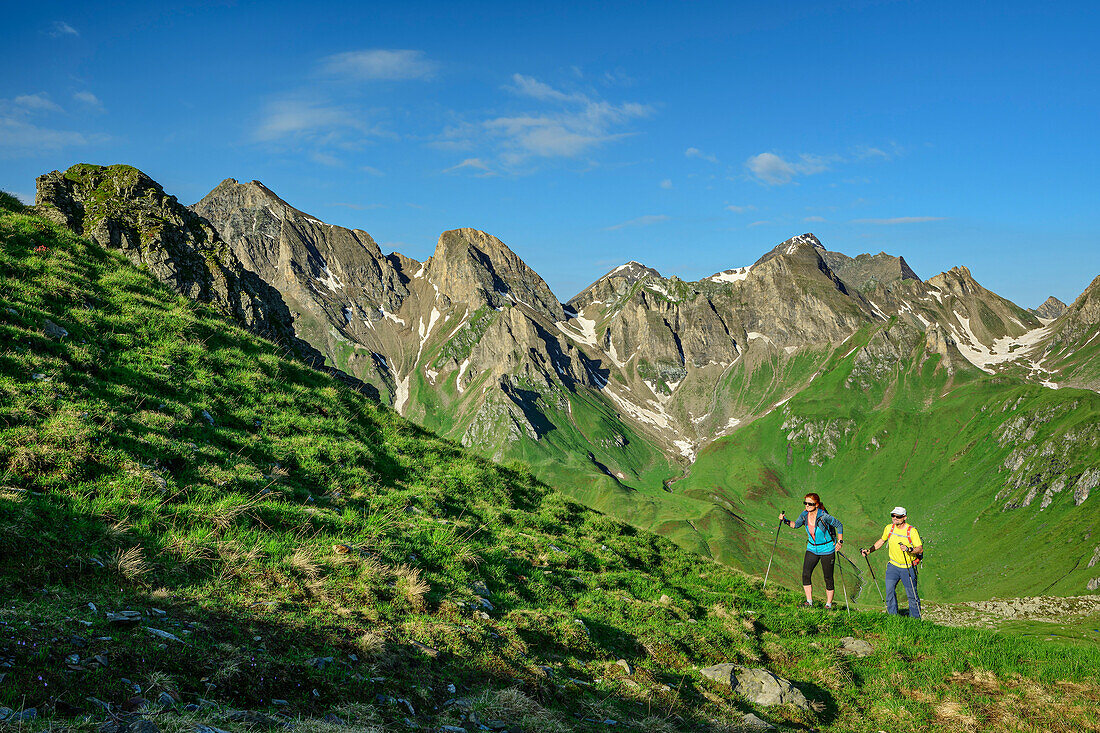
[
  {"x": 411, "y": 585},
  {"x": 304, "y": 563},
  {"x": 655, "y": 724},
  {"x": 226, "y": 518},
  {"x": 371, "y": 644},
  {"x": 956, "y": 713},
  {"x": 512, "y": 705},
  {"x": 130, "y": 564}
]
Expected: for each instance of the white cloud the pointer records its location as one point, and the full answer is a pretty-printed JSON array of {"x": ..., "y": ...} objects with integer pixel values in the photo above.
[
  {"x": 472, "y": 164},
  {"x": 773, "y": 170},
  {"x": 326, "y": 159},
  {"x": 815, "y": 218},
  {"x": 641, "y": 221},
  {"x": 530, "y": 87},
  {"x": 740, "y": 209},
  {"x": 697, "y": 153},
  {"x": 900, "y": 220},
  {"x": 89, "y": 99},
  {"x": 298, "y": 117},
  {"x": 40, "y": 102},
  {"x": 61, "y": 28},
  {"x": 758, "y": 223},
  {"x": 666, "y": 184},
  {"x": 19, "y": 138},
  {"x": 379, "y": 64},
  {"x": 371, "y": 170},
  {"x": 577, "y": 124}
]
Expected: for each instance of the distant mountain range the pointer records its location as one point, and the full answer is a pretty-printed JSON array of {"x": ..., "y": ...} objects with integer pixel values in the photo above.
[{"x": 624, "y": 395}]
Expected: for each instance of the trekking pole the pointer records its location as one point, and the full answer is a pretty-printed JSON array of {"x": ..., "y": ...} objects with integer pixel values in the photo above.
[
  {"x": 912, "y": 580},
  {"x": 873, "y": 576},
  {"x": 773, "y": 552},
  {"x": 845, "y": 587}
]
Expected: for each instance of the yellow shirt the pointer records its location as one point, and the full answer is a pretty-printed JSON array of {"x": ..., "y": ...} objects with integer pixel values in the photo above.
[{"x": 895, "y": 537}]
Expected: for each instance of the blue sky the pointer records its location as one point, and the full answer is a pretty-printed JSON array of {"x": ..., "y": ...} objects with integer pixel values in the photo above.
[{"x": 691, "y": 137}]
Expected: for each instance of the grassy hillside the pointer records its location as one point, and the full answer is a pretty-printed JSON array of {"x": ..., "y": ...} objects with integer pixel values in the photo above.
[
  {"x": 293, "y": 549},
  {"x": 985, "y": 465}
]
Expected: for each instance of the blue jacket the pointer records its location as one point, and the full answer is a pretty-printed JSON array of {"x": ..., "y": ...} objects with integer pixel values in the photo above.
[{"x": 821, "y": 542}]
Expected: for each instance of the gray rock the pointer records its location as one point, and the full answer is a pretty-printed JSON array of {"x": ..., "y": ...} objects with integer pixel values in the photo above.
[
  {"x": 22, "y": 716},
  {"x": 53, "y": 330},
  {"x": 425, "y": 649},
  {"x": 124, "y": 618},
  {"x": 208, "y": 729},
  {"x": 4, "y": 713},
  {"x": 166, "y": 700},
  {"x": 751, "y": 721},
  {"x": 757, "y": 685},
  {"x": 207, "y": 417},
  {"x": 627, "y": 666},
  {"x": 163, "y": 634},
  {"x": 143, "y": 726},
  {"x": 855, "y": 647}
]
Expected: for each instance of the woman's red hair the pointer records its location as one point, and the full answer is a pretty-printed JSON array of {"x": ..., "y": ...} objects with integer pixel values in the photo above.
[{"x": 817, "y": 500}]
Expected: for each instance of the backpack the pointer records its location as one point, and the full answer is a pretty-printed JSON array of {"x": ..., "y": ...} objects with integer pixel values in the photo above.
[{"x": 917, "y": 556}]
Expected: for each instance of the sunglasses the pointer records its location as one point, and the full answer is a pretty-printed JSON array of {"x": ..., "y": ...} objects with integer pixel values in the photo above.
[
  {"x": 898, "y": 516},
  {"x": 809, "y": 503}
]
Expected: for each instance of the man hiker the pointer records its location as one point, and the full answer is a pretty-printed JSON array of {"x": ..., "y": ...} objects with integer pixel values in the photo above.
[
  {"x": 905, "y": 553},
  {"x": 824, "y": 535}
]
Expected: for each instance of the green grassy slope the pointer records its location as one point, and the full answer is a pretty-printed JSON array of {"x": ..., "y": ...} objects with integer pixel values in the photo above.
[
  {"x": 971, "y": 457},
  {"x": 303, "y": 544}
]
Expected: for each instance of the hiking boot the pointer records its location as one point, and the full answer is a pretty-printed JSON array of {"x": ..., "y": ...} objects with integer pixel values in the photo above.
[
  {"x": 828, "y": 606},
  {"x": 807, "y": 604}
]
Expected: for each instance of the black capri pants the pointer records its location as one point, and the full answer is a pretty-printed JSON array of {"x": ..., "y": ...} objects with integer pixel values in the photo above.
[{"x": 827, "y": 563}]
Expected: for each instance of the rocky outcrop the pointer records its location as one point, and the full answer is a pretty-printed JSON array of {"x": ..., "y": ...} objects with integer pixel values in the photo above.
[
  {"x": 758, "y": 686},
  {"x": 1050, "y": 309},
  {"x": 119, "y": 207}
]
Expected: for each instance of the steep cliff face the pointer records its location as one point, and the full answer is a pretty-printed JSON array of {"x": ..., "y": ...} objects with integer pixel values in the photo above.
[
  {"x": 121, "y": 208},
  {"x": 343, "y": 292}
]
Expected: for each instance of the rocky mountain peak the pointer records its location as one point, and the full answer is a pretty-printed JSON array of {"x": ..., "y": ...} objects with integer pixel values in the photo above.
[
  {"x": 477, "y": 268},
  {"x": 792, "y": 246},
  {"x": 957, "y": 280},
  {"x": 614, "y": 283},
  {"x": 1051, "y": 308}
]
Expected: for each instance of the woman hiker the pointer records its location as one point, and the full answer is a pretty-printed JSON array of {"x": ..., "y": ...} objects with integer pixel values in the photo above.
[
  {"x": 906, "y": 550},
  {"x": 825, "y": 534}
]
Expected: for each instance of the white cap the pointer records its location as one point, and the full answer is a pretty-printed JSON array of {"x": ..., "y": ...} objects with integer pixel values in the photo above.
[{"x": 899, "y": 510}]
